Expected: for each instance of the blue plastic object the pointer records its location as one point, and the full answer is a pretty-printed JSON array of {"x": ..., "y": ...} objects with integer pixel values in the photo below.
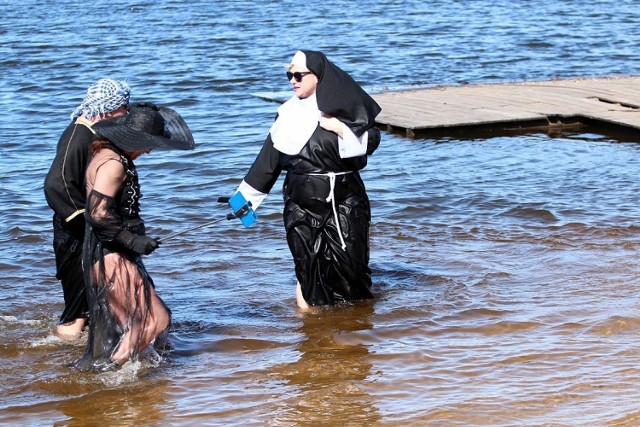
[{"x": 242, "y": 209}]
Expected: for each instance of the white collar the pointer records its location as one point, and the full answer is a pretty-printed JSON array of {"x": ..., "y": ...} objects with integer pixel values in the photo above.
[{"x": 296, "y": 122}]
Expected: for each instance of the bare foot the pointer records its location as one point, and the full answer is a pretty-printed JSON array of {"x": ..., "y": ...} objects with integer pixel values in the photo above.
[{"x": 69, "y": 331}]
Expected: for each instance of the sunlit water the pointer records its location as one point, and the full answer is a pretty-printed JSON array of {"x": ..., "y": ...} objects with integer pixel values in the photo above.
[{"x": 505, "y": 268}]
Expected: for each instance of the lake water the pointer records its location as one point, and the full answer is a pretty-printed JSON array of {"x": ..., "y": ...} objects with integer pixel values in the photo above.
[{"x": 505, "y": 268}]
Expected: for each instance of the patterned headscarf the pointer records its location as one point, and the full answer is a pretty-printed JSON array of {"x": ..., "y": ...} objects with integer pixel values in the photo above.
[{"x": 104, "y": 96}]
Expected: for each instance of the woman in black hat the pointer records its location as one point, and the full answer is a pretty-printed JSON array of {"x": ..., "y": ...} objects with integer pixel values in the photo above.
[
  {"x": 321, "y": 137},
  {"x": 127, "y": 315}
]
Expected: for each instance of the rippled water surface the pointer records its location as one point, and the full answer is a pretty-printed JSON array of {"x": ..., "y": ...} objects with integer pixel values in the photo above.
[{"x": 505, "y": 268}]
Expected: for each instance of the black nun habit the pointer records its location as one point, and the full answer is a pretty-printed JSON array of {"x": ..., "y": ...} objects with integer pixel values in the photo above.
[
  {"x": 326, "y": 209},
  {"x": 340, "y": 96}
]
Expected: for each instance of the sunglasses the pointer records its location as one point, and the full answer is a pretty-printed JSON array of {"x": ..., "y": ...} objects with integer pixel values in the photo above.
[{"x": 298, "y": 75}]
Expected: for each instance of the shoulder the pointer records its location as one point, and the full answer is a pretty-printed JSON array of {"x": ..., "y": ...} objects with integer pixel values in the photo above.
[
  {"x": 73, "y": 140},
  {"x": 108, "y": 162},
  {"x": 106, "y": 173},
  {"x": 79, "y": 132}
]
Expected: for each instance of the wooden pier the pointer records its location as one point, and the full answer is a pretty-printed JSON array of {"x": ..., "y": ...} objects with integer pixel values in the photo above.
[{"x": 612, "y": 104}]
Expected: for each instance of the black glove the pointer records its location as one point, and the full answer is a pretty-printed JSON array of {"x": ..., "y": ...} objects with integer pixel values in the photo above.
[
  {"x": 144, "y": 245},
  {"x": 137, "y": 243}
]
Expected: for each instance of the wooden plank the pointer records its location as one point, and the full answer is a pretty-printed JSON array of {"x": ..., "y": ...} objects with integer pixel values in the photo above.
[{"x": 597, "y": 101}]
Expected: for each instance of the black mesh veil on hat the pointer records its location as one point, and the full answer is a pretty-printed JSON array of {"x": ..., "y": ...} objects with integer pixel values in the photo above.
[
  {"x": 147, "y": 127},
  {"x": 340, "y": 96}
]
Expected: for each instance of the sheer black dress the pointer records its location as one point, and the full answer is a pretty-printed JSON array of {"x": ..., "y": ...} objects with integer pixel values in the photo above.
[{"x": 126, "y": 314}]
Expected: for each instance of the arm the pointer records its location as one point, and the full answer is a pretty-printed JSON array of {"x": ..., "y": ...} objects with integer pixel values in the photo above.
[
  {"x": 110, "y": 177},
  {"x": 262, "y": 175},
  {"x": 350, "y": 145},
  {"x": 374, "y": 140},
  {"x": 101, "y": 210}
]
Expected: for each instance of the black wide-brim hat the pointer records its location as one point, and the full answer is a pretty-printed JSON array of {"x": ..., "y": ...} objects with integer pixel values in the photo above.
[{"x": 147, "y": 127}]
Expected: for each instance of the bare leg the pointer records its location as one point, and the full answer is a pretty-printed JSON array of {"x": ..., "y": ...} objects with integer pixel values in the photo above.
[
  {"x": 158, "y": 321},
  {"x": 299, "y": 298},
  {"x": 127, "y": 299},
  {"x": 139, "y": 338},
  {"x": 144, "y": 323},
  {"x": 71, "y": 330}
]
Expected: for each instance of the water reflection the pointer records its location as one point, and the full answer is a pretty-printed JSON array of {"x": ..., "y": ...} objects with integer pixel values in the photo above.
[
  {"x": 450, "y": 239},
  {"x": 140, "y": 403},
  {"x": 329, "y": 378}
]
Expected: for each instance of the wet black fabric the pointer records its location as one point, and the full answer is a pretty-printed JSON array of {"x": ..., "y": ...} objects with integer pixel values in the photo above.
[
  {"x": 67, "y": 247},
  {"x": 64, "y": 184},
  {"x": 65, "y": 194},
  {"x": 119, "y": 288},
  {"x": 327, "y": 273}
]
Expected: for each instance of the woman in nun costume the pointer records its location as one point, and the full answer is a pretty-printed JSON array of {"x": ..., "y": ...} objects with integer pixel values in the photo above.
[
  {"x": 321, "y": 138},
  {"x": 126, "y": 313}
]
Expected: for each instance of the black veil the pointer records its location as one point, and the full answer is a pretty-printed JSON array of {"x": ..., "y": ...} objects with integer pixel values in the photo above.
[{"x": 340, "y": 96}]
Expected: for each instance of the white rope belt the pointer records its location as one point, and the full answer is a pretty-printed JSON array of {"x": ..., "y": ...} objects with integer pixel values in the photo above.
[{"x": 331, "y": 198}]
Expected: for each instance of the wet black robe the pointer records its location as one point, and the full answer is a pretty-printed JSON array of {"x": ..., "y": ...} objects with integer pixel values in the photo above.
[
  {"x": 65, "y": 193},
  {"x": 327, "y": 273}
]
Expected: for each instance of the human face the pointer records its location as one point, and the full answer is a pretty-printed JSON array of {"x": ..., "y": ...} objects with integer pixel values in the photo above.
[
  {"x": 307, "y": 84},
  {"x": 135, "y": 154},
  {"x": 115, "y": 113}
]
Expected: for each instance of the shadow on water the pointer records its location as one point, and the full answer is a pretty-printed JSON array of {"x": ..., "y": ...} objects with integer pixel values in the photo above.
[
  {"x": 487, "y": 131},
  {"x": 137, "y": 403},
  {"x": 44, "y": 388},
  {"x": 327, "y": 382}
]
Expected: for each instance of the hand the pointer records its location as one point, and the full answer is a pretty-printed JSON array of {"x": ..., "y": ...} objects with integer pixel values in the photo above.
[
  {"x": 144, "y": 245},
  {"x": 331, "y": 124}
]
